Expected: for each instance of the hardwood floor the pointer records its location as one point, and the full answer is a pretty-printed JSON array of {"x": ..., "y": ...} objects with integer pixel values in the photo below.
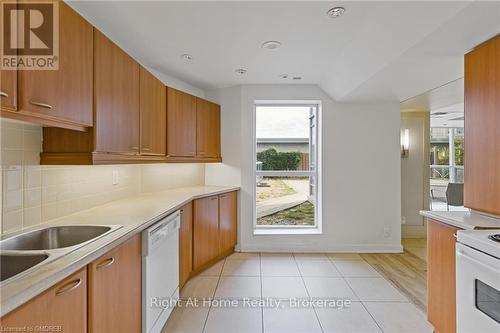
[{"x": 407, "y": 270}]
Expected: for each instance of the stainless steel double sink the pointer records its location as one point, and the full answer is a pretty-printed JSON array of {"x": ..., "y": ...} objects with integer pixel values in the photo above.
[{"x": 22, "y": 252}]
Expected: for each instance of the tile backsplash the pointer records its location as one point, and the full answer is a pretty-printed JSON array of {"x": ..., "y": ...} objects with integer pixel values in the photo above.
[{"x": 33, "y": 194}]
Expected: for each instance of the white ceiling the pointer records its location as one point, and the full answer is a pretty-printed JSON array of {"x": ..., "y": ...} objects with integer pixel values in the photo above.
[
  {"x": 445, "y": 103},
  {"x": 377, "y": 51}
]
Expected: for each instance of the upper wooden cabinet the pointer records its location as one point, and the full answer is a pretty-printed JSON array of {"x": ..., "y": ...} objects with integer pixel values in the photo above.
[
  {"x": 181, "y": 124},
  {"x": 60, "y": 97},
  {"x": 116, "y": 98},
  {"x": 153, "y": 115},
  {"x": 193, "y": 128},
  {"x": 63, "y": 305},
  {"x": 8, "y": 90},
  {"x": 115, "y": 289},
  {"x": 207, "y": 129},
  {"x": 482, "y": 128},
  {"x": 441, "y": 299}
]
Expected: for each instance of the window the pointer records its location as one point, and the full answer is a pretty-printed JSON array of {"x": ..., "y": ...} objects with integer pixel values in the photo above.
[{"x": 287, "y": 193}]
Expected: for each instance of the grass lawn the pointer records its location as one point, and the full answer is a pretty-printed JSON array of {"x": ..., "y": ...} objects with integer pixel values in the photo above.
[
  {"x": 302, "y": 214},
  {"x": 277, "y": 188}
]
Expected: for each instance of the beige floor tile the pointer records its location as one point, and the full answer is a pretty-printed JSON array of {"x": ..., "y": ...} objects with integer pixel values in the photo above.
[
  {"x": 310, "y": 256},
  {"x": 200, "y": 287},
  {"x": 317, "y": 268},
  {"x": 290, "y": 319},
  {"x": 283, "y": 287},
  {"x": 246, "y": 267},
  {"x": 285, "y": 266},
  {"x": 243, "y": 255},
  {"x": 329, "y": 287},
  {"x": 234, "y": 320},
  {"x": 186, "y": 319},
  {"x": 375, "y": 289},
  {"x": 353, "y": 319},
  {"x": 214, "y": 270},
  {"x": 399, "y": 317},
  {"x": 414, "y": 242},
  {"x": 276, "y": 255},
  {"x": 356, "y": 268},
  {"x": 238, "y": 287},
  {"x": 344, "y": 256}
]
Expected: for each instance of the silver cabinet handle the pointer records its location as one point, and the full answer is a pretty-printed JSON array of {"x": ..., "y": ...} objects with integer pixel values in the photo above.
[
  {"x": 4, "y": 94},
  {"x": 69, "y": 287},
  {"x": 105, "y": 263},
  {"x": 213, "y": 198},
  {"x": 223, "y": 196},
  {"x": 146, "y": 148},
  {"x": 40, "y": 104},
  {"x": 134, "y": 148}
]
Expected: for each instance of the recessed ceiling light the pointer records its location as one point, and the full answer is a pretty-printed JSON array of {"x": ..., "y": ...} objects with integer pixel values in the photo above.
[
  {"x": 297, "y": 77},
  {"x": 284, "y": 76},
  {"x": 271, "y": 44},
  {"x": 186, "y": 56},
  {"x": 336, "y": 12},
  {"x": 240, "y": 71}
]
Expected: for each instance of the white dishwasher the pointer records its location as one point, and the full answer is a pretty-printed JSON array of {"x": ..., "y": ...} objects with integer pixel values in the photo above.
[{"x": 160, "y": 272}]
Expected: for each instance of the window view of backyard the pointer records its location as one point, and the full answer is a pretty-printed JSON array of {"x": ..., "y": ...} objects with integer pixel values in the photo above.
[
  {"x": 285, "y": 166},
  {"x": 447, "y": 166}
]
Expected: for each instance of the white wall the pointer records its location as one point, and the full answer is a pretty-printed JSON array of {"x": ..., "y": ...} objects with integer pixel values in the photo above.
[
  {"x": 415, "y": 173},
  {"x": 361, "y": 170}
]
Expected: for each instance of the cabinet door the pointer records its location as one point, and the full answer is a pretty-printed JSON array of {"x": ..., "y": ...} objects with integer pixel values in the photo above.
[
  {"x": 441, "y": 300},
  {"x": 153, "y": 113},
  {"x": 186, "y": 244},
  {"x": 116, "y": 89},
  {"x": 115, "y": 289},
  {"x": 181, "y": 124},
  {"x": 66, "y": 93},
  {"x": 482, "y": 128},
  {"x": 8, "y": 89},
  {"x": 207, "y": 129},
  {"x": 205, "y": 230},
  {"x": 64, "y": 305},
  {"x": 227, "y": 221}
]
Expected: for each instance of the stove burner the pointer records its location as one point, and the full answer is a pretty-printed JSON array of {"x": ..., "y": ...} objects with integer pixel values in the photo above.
[{"x": 495, "y": 237}]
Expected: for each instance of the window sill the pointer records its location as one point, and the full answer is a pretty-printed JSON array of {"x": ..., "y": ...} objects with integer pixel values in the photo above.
[{"x": 286, "y": 231}]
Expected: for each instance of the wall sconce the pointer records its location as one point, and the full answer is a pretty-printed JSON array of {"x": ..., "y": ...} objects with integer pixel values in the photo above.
[{"x": 405, "y": 143}]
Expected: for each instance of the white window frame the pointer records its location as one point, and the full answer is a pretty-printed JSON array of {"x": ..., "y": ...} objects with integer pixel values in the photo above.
[{"x": 289, "y": 229}]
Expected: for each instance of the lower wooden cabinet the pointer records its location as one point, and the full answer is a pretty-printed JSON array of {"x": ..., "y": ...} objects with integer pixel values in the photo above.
[
  {"x": 205, "y": 230},
  {"x": 115, "y": 289},
  {"x": 228, "y": 207},
  {"x": 64, "y": 306},
  {"x": 186, "y": 244},
  {"x": 441, "y": 297},
  {"x": 214, "y": 228}
]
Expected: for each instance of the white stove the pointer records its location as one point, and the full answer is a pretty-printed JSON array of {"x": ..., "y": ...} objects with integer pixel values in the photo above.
[{"x": 478, "y": 281}]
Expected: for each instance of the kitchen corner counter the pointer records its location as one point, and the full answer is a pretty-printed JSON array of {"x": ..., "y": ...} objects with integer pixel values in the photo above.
[
  {"x": 134, "y": 214},
  {"x": 464, "y": 219}
]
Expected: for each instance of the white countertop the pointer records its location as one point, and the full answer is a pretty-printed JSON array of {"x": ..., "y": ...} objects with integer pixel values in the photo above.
[
  {"x": 134, "y": 214},
  {"x": 464, "y": 219}
]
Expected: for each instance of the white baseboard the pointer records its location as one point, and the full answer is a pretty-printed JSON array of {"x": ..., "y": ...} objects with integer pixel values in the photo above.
[{"x": 346, "y": 248}]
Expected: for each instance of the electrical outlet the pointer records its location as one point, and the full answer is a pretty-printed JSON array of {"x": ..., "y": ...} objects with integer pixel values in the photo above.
[
  {"x": 387, "y": 232},
  {"x": 115, "y": 177},
  {"x": 403, "y": 219}
]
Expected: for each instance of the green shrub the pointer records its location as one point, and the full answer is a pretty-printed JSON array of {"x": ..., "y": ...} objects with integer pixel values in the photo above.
[{"x": 273, "y": 160}]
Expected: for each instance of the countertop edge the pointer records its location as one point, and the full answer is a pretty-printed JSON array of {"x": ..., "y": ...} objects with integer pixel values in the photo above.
[
  {"x": 465, "y": 220},
  {"x": 109, "y": 242}
]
